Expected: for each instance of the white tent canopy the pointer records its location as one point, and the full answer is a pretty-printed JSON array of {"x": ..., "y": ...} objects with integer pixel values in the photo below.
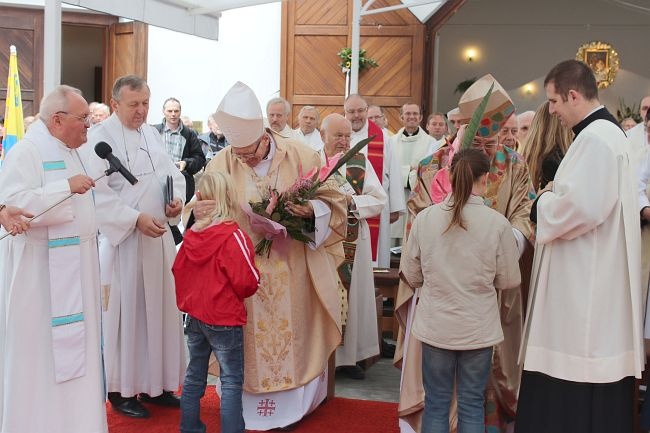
[{"x": 194, "y": 17}]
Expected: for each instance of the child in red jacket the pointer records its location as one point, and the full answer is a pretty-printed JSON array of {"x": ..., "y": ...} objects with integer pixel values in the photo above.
[{"x": 214, "y": 271}]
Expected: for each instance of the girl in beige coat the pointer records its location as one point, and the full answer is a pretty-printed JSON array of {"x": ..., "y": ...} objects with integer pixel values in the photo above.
[{"x": 458, "y": 253}]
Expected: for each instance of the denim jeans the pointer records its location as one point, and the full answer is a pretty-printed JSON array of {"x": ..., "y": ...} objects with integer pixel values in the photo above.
[
  {"x": 470, "y": 369},
  {"x": 227, "y": 344}
]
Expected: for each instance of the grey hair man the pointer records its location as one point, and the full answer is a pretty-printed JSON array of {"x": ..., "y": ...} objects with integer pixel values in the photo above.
[
  {"x": 142, "y": 326},
  {"x": 277, "y": 113},
  {"x": 307, "y": 131},
  {"x": 52, "y": 271}
]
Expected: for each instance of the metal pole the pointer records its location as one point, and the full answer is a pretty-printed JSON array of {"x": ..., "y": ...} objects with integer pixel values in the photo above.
[
  {"x": 356, "y": 34},
  {"x": 52, "y": 46}
]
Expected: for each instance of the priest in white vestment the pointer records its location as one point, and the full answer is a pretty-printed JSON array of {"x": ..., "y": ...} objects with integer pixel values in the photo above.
[
  {"x": 50, "y": 332},
  {"x": 583, "y": 337},
  {"x": 637, "y": 135},
  {"x": 360, "y": 337},
  {"x": 278, "y": 111},
  {"x": 143, "y": 333},
  {"x": 410, "y": 144},
  {"x": 356, "y": 111},
  {"x": 307, "y": 130},
  {"x": 294, "y": 319}
]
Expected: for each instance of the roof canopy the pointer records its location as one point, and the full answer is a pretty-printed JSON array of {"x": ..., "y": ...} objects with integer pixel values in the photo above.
[{"x": 194, "y": 17}]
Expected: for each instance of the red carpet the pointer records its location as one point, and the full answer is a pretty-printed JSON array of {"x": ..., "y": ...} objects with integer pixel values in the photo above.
[{"x": 339, "y": 415}]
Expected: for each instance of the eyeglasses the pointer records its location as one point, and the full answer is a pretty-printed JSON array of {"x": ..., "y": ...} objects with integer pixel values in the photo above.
[
  {"x": 379, "y": 116},
  {"x": 85, "y": 119},
  {"x": 357, "y": 111},
  {"x": 480, "y": 143},
  {"x": 249, "y": 155}
]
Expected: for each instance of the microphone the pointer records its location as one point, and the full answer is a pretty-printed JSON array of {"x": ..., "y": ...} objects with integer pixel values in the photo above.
[{"x": 105, "y": 151}]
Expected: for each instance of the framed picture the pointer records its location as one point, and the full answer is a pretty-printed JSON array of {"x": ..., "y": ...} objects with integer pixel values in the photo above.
[{"x": 602, "y": 59}]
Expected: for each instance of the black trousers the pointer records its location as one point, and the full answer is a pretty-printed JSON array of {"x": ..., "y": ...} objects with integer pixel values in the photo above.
[{"x": 551, "y": 405}]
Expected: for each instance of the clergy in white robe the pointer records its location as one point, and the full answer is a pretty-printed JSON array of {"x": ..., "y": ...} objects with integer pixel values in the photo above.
[
  {"x": 410, "y": 144},
  {"x": 143, "y": 333},
  {"x": 311, "y": 139},
  {"x": 583, "y": 334},
  {"x": 50, "y": 333},
  {"x": 360, "y": 337},
  {"x": 307, "y": 130},
  {"x": 277, "y": 115},
  {"x": 356, "y": 111}
]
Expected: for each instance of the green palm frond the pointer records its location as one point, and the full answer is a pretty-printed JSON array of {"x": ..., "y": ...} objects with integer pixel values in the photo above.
[{"x": 475, "y": 122}]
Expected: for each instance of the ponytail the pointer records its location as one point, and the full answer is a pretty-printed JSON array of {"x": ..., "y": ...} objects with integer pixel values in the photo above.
[{"x": 467, "y": 166}]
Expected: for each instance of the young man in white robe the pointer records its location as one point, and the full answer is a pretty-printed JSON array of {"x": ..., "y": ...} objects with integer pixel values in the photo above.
[
  {"x": 143, "y": 334},
  {"x": 410, "y": 144},
  {"x": 360, "y": 337},
  {"x": 356, "y": 111},
  {"x": 583, "y": 337},
  {"x": 50, "y": 332}
]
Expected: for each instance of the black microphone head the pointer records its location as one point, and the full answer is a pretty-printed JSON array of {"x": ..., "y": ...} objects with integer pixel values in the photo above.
[{"x": 103, "y": 149}]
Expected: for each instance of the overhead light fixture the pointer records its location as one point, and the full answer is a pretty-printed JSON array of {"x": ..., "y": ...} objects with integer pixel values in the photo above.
[{"x": 529, "y": 88}]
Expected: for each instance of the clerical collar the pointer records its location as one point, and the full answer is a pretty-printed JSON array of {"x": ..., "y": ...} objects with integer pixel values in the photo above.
[
  {"x": 599, "y": 113},
  {"x": 417, "y": 131}
]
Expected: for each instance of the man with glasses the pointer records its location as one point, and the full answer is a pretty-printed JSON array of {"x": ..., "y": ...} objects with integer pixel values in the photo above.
[
  {"x": 387, "y": 167},
  {"x": 365, "y": 198},
  {"x": 509, "y": 132},
  {"x": 50, "y": 323},
  {"x": 376, "y": 114},
  {"x": 510, "y": 192},
  {"x": 143, "y": 334},
  {"x": 294, "y": 319}
]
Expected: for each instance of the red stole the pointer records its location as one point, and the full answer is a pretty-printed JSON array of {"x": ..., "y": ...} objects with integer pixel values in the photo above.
[{"x": 376, "y": 158}]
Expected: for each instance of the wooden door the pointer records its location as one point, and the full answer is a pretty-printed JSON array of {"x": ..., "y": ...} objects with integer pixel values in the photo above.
[
  {"x": 313, "y": 33},
  {"x": 24, "y": 29},
  {"x": 126, "y": 53}
]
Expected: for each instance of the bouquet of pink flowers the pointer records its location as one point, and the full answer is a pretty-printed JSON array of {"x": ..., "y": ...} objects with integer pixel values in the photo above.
[{"x": 271, "y": 216}]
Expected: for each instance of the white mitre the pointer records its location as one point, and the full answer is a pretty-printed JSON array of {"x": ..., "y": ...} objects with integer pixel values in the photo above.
[{"x": 239, "y": 116}]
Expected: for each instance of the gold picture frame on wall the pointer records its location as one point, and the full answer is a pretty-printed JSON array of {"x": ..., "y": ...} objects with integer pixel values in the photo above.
[{"x": 602, "y": 58}]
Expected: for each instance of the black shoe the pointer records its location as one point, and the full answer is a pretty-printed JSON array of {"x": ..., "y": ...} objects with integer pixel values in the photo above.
[
  {"x": 167, "y": 398},
  {"x": 128, "y": 406},
  {"x": 387, "y": 349},
  {"x": 353, "y": 372}
]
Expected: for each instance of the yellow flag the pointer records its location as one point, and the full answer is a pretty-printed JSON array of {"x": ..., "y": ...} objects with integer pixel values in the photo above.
[{"x": 14, "y": 127}]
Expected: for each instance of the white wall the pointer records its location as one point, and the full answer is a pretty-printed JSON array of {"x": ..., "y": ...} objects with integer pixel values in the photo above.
[
  {"x": 198, "y": 72},
  {"x": 522, "y": 45}
]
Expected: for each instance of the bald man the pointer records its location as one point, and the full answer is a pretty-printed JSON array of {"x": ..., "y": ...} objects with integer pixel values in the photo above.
[{"x": 366, "y": 198}]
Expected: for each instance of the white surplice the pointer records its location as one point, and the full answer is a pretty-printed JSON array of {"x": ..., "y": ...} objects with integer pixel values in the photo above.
[
  {"x": 313, "y": 139},
  {"x": 30, "y": 399},
  {"x": 392, "y": 184},
  {"x": 143, "y": 333},
  {"x": 360, "y": 339},
  {"x": 410, "y": 150},
  {"x": 585, "y": 314}
]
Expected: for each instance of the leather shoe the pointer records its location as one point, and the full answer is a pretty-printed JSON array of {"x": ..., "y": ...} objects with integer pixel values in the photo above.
[
  {"x": 167, "y": 398},
  {"x": 387, "y": 349},
  {"x": 353, "y": 372},
  {"x": 130, "y": 407}
]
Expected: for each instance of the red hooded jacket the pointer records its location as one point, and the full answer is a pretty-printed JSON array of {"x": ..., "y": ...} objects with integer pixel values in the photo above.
[{"x": 214, "y": 271}]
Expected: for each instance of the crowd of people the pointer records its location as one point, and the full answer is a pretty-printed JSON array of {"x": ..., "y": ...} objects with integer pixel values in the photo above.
[{"x": 522, "y": 293}]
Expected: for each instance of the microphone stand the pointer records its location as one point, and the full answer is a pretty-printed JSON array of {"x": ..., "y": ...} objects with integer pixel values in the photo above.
[{"x": 108, "y": 172}]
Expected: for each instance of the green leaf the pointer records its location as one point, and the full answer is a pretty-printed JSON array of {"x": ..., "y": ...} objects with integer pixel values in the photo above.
[{"x": 475, "y": 122}]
